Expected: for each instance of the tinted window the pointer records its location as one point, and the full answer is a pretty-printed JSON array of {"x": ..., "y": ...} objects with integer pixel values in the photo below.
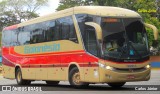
[
  {"x": 50, "y": 31},
  {"x": 23, "y": 36},
  {"x": 57, "y": 30},
  {"x": 64, "y": 28},
  {"x": 9, "y": 38},
  {"x": 67, "y": 29},
  {"x": 6, "y": 38},
  {"x": 88, "y": 33},
  {"x": 90, "y": 41},
  {"x": 37, "y": 32},
  {"x": 60, "y": 29},
  {"x": 14, "y": 38}
]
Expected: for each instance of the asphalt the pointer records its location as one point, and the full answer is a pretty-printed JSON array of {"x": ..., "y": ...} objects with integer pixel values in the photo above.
[{"x": 65, "y": 88}]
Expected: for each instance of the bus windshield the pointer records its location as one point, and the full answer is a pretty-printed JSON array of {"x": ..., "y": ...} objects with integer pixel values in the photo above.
[{"x": 124, "y": 39}]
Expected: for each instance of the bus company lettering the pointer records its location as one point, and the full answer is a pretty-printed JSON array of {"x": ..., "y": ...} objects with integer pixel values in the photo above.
[{"x": 41, "y": 49}]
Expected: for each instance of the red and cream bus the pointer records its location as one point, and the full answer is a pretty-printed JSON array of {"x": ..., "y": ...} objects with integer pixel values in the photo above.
[{"x": 82, "y": 45}]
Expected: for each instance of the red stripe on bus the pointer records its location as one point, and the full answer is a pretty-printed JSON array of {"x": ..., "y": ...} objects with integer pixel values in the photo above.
[
  {"x": 44, "y": 66},
  {"x": 56, "y": 65},
  {"x": 7, "y": 62},
  {"x": 11, "y": 27}
]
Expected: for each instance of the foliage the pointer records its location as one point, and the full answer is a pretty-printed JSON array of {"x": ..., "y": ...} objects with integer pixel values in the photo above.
[
  {"x": 71, "y": 3},
  {"x": 16, "y": 11}
]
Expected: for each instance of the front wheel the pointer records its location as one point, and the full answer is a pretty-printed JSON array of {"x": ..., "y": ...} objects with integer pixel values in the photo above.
[
  {"x": 20, "y": 80},
  {"x": 116, "y": 85},
  {"x": 74, "y": 78}
]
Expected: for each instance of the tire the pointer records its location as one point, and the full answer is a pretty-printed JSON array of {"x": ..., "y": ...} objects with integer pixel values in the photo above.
[
  {"x": 19, "y": 78},
  {"x": 52, "y": 82},
  {"x": 74, "y": 78},
  {"x": 116, "y": 85}
]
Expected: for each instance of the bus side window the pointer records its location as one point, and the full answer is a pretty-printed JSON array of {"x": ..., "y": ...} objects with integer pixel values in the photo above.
[
  {"x": 50, "y": 31},
  {"x": 91, "y": 41},
  {"x": 68, "y": 31},
  {"x": 23, "y": 36},
  {"x": 37, "y": 32},
  {"x": 8, "y": 38},
  {"x": 57, "y": 30},
  {"x": 64, "y": 28},
  {"x": 14, "y": 37},
  {"x": 88, "y": 33}
]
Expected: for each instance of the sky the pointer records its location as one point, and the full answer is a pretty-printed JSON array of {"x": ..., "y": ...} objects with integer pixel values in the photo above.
[{"x": 50, "y": 8}]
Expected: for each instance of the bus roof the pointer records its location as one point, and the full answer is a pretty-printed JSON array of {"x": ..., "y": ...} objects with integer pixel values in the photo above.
[{"x": 106, "y": 11}]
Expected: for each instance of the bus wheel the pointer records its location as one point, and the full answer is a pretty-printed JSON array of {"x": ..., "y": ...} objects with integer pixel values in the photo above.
[
  {"x": 74, "y": 78},
  {"x": 116, "y": 85},
  {"x": 19, "y": 79},
  {"x": 52, "y": 82}
]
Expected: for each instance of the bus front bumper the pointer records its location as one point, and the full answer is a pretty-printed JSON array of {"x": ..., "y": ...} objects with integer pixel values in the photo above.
[{"x": 125, "y": 75}]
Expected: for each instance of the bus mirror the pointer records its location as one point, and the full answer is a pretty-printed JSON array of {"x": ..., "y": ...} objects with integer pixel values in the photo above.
[
  {"x": 97, "y": 28},
  {"x": 155, "y": 30}
]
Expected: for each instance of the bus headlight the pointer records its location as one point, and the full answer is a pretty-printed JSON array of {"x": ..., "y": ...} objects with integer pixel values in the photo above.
[
  {"x": 108, "y": 67},
  {"x": 148, "y": 66},
  {"x": 104, "y": 66}
]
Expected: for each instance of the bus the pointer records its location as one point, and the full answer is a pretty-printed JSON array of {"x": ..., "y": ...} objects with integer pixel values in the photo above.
[{"x": 83, "y": 45}]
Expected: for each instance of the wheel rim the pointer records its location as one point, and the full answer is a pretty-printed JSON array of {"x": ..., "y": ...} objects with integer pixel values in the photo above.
[
  {"x": 76, "y": 78},
  {"x": 18, "y": 76}
]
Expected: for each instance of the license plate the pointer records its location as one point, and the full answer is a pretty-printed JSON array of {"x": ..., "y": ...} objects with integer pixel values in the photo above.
[{"x": 130, "y": 77}]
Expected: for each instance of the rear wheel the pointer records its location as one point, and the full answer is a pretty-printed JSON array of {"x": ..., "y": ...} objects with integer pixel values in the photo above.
[
  {"x": 52, "y": 82},
  {"x": 74, "y": 78},
  {"x": 116, "y": 85},
  {"x": 19, "y": 79}
]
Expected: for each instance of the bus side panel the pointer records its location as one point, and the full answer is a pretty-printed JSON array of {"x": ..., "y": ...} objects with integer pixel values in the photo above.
[
  {"x": 28, "y": 73},
  {"x": 8, "y": 72},
  {"x": 91, "y": 73},
  {"x": 8, "y": 65},
  {"x": 54, "y": 70}
]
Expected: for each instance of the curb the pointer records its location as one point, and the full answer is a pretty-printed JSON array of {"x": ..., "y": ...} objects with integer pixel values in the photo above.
[{"x": 155, "y": 64}]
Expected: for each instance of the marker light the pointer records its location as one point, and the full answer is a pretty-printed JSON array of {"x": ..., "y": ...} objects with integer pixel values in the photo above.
[
  {"x": 111, "y": 20},
  {"x": 101, "y": 65}
]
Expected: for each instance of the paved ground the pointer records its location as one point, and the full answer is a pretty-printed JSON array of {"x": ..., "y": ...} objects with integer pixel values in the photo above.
[{"x": 65, "y": 88}]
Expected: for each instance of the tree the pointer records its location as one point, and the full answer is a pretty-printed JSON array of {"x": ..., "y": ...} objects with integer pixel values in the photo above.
[
  {"x": 16, "y": 11},
  {"x": 71, "y": 3}
]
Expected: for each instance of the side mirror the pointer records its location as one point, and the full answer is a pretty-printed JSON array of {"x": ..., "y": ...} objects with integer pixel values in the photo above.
[
  {"x": 155, "y": 33},
  {"x": 155, "y": 30},
  {"x": 97, "y": 28}
]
